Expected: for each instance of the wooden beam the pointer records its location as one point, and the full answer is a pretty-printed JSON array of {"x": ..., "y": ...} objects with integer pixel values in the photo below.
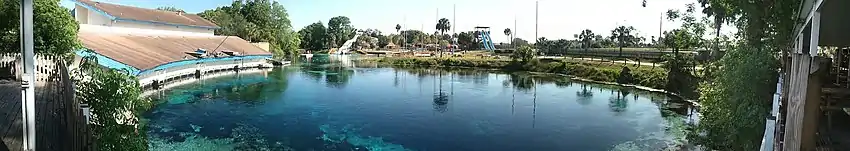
[{"x": 796, "y": 103}]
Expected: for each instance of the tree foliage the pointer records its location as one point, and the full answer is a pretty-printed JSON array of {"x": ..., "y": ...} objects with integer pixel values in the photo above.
[
  {"x": 467, "y": 40},
  {"x": 508, "y": 34},
  {"x": 257, "y": 21},
  {"x": 736, "y": 102},
  {"x": 443, "y": 25},
  {"x": 586, "y": 37},
  {"x": 54, "y": 29},
  {"x": 625, "y": 37},
  {"x": 523, "y": 54},
  {"x": 116, "y": 106},
  {"x": 340, "y": 30},
  {"x": 314, "y": 37}
]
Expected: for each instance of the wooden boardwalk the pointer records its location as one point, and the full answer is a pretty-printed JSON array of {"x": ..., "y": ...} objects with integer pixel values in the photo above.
[
  {"x": 51, "y": 125},
  {"x": 60, "y": 123}
]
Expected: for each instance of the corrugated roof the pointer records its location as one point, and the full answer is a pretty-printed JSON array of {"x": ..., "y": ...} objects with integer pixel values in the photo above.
[
  {"x": 150, "y": 15},
  {"x": 145, "y": 52}
]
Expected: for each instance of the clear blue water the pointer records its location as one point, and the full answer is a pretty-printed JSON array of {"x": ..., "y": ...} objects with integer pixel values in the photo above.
[{"x": 328, "y": 107}]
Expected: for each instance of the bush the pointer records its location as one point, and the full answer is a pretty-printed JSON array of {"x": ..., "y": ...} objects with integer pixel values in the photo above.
[{"x": 116, "y": 107}]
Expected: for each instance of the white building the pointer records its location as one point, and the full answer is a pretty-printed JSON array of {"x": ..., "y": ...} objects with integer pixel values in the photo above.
[{"x": 160, "y": 46}]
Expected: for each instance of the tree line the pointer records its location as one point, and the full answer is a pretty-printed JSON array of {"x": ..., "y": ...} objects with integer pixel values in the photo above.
[{"x": 256, "y": 21}]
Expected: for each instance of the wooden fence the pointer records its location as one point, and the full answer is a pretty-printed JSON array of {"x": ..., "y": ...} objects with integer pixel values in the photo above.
[{"x": 61, "y": 122}]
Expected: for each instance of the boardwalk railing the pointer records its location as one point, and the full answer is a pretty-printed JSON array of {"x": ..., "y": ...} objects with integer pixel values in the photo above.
[{"x": 61, "y": 123}]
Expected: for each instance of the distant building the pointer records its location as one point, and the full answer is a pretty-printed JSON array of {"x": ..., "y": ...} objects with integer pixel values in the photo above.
[{"x": 159, "y": 46}]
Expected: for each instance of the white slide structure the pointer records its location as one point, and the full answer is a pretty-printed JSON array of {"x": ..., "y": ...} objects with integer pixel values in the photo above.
[{"x": 346, "y": 47}]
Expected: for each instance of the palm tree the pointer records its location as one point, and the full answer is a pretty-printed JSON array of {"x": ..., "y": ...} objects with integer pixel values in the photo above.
[
  {"x": 508, "y": 33},
  {"x": 443, "y": 25},
  {"x": 586, "y": 38},
  {"x": 398, "y": 30}
]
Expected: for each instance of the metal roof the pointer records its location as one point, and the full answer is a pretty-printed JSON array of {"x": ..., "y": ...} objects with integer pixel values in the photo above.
[
  {"x": 145, "y": 52},
  {"x": 145, "y": 15}
]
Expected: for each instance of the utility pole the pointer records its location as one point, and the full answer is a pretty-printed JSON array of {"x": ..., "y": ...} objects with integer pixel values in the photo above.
[
  {"x": 403, "y": 27},
  {"x": 513, "y": 34},
  {"x": 437, "y": 37},
  {"x": 454, "y": 27},
  {"x": 28, "y": 77},
  {"x": 536, "y": 18}
]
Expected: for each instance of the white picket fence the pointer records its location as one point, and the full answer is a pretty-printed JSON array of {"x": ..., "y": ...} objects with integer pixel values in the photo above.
[{"x": 45, "y": 69}]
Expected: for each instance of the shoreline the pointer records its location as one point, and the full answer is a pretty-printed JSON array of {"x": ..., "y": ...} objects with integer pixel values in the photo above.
[{"x": 571, "y": 77}]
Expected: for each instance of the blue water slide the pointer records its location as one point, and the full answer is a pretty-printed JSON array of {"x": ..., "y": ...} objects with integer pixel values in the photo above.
[
  {"x": 490, "y": 41},
  {"x": 484, "y": 41}
]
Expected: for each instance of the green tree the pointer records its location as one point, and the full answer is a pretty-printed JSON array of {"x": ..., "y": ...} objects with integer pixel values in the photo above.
[
  {"x": 519, "y": 42},
  {"x": 624, "y": 36},
  {"x": 383, "y": 41},
  {"x": 169, "y": 8},
  {"x": 112, "y": 94},
  {"x": 314, "y": 37},
  {"x": 340, "y": 30},
  {"x": 543, "y": 44},
  {"x": 508, "y": 34},
  {"x": 414, "y": 36},
  {"x": 257, "y": 21},
  {"x": 720, "y": 11},
  {"x": 737, "y": 100},
  {"x": 523, "y": 54},
  {"x": 466, "y": 40},
  {"x": 54, "y": 31},
  {"x": 443, "y": 25},
  {"x": 586, "y": 37}
]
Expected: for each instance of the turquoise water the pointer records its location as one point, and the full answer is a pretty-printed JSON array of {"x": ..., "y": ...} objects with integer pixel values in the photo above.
[{"x": 330, "y": 107}]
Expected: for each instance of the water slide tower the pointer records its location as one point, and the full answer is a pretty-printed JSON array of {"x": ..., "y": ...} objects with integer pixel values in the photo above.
[{"x": 484, "y": 35}]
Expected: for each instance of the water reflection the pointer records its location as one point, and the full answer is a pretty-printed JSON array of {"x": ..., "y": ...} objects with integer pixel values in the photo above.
[
  {"x": 334, "y": 74},
  {"x": 619, "y": 103},
  {"x": 584, "y": 95},
  {"x": 520, "y": 81}
]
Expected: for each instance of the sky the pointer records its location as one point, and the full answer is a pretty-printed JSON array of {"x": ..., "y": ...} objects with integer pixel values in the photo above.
[{"x": 556, "y": 19}]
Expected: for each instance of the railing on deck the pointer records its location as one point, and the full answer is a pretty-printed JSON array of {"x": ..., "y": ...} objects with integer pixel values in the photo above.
[{"x": 61, "y": 123}]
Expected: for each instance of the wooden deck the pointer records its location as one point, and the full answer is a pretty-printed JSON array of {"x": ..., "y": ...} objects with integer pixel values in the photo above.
[
  {"x": 60, "y": 123},
  {"x": 51, "y": 122}
]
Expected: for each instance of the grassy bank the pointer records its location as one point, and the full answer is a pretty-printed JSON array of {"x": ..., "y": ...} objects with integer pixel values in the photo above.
[{"x": 607, "y": 72}]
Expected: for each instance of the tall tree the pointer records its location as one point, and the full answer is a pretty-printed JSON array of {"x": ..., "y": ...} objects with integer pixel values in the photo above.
[
  {"x": 257, "y": 21},
  {"x": 467, "y": 40},
  {"x": 314, "y": 37},
  {"x": 624, "y": 36},
  {"x": 443, "y": 25},
  {"x": 54, "y": 31},
  {"x": 586, "y": 37},
  {"x": 722, "y": 14},
  {"x": 340, "y": 30},
  {"x": 508, "y": 34}
]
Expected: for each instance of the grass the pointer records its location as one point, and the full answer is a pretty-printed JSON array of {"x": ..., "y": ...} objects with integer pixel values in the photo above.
[{"x": 598, "y": 71}]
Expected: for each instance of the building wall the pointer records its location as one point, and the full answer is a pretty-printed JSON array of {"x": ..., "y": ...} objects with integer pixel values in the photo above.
[
  {"x": 81, "y": 14},
  {"x": 91, "y": 17}
]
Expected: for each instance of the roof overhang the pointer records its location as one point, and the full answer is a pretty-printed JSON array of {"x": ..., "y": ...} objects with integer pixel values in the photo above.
[
  {"x": 114, "y": 18},
  {"x": 834, "y": 21}
]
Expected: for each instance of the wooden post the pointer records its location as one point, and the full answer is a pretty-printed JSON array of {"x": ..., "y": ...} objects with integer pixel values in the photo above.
[{"x": 812, "y": 107}]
